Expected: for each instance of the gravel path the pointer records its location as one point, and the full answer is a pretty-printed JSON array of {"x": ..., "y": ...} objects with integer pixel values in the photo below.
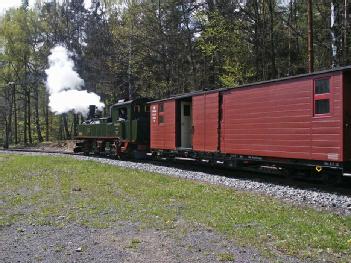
[
  {"x": 335, "y": 202},
  {"x": 125, "y": 242}
]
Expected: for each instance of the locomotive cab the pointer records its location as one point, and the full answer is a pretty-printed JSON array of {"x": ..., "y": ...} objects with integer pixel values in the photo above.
[{"x": 131, "y": 119}]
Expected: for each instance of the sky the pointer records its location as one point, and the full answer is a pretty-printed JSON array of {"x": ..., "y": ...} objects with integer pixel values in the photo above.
[{"x": 6, "y": 4}]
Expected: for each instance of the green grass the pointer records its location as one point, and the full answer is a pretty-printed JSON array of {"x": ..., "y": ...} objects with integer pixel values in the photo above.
[
  {"x": 57, "y": 191},
  {"x": 226, "y": 257},
  {"x": 134, "y": 243}
]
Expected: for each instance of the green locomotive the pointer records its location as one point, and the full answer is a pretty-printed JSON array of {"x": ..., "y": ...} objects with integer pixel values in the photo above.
[{"x": 124, "y": 133}]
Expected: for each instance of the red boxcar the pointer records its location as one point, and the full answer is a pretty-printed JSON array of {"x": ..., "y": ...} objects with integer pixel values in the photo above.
[
  {"x": 279, "y": 119},
  {"x": 303, "y": 118}
]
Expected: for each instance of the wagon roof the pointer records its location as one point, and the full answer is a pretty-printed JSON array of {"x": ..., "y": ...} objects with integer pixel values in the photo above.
[
  {"x": 199, "y": 92},
  {"x": 189, "y": 94}
]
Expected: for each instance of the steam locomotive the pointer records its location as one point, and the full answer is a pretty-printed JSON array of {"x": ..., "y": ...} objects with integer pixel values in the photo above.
[
  {"x": 126, "y": 132},
  {"x": 298, "y": 123}
]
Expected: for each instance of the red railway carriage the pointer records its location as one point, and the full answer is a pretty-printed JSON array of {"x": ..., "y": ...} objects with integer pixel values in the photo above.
[
  {"x": 187, "y": 122},
  {"x": 298, "y": 118},
  {"x": 302, "y": 120}
]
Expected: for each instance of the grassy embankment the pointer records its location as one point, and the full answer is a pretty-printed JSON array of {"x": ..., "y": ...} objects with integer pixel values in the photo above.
[{"x": 38, "y": 190}]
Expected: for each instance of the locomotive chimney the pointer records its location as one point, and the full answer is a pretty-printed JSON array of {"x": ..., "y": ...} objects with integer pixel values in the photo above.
[{"x": 91, "y": 114}]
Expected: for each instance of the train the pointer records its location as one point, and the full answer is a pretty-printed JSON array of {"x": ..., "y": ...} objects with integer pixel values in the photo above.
[{"x": 297, "y": 124}]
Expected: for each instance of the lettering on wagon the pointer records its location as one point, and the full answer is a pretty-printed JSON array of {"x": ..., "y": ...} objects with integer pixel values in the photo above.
[
  {"x": 333, "y": 156},
  {"x": 154, "y": 114}
]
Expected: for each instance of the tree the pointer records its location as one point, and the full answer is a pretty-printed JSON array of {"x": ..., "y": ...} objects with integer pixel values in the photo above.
[{"x": 131, "y": 48}]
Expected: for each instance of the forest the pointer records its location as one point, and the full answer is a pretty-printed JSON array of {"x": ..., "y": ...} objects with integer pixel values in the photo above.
[{"x": 157, "y": 48}]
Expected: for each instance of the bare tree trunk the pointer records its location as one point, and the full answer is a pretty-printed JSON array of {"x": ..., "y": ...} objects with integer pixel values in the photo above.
[
  {"x": 75, "y": 124},
  {"x": 60, "y": 128},
  {"x": 290, "y": 36},
  {"x": 297, "y": 42},
  {"x": 37, "y": 116},
  {"x": 14, "y": 101},
  {"x": 9, "y": 128},
  {"x": 7, "y": 140},
  {"x": 8, "y": 116},
  {"x": 333, "y": 25},
  {"x": 25, "y": 138},
  {"x": 29, "y": 116},
  {"x": 129, "y": 71},
  {"x": 345, "y": 46},
  {"x": 271, "y": 11},
  {"x": 47, "y": 128},
  {"x": 310, "y": 37},
  {"x": 65, "y": 126},
  {"x": 72, "y": 128},
  {"x": 190, "y": 46},
  {"x": 211, "y": 5},
  {"x": 258, "y": 67}
]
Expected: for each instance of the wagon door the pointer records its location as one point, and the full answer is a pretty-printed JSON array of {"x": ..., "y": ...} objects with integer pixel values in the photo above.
[
  {"x": 205, "y": 121},
  {"x": 186, "y": 125},
  {"x": 347, "y": 116},
  {"x": 199, "y": 123}
]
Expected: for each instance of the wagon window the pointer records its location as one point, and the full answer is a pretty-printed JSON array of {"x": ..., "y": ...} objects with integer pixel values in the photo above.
[
  {"x": 161, "y": 108},
  {"x": 123, "y": 114},
  {"x": 186, "y": 110},
  {"x": 160, "y": 113},
  {"x": 137, "y": 108},
  {"x": 322, "y": 86},
  {"x": 322, "y": 106},
  {"x": 322, "y": 97}
]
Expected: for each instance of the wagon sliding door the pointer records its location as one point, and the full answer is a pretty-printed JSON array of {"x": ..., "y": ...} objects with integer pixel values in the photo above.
[
  {"x": 347, "y": 116},
  {"x": 205, "y": 122}
]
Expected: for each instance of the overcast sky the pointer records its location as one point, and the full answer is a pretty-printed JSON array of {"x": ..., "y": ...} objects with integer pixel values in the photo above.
[{"x": 5, "y": 4}]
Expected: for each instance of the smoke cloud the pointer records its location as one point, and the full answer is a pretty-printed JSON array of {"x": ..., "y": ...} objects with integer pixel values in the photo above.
[{"x": 65, "y": 85}]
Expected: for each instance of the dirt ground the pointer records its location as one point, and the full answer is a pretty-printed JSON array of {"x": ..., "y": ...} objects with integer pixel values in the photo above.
[
  {"x": 126, "y": 242},
  {"x": 59, "y": 146}
]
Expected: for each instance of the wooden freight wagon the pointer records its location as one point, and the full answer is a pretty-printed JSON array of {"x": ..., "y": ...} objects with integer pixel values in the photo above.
[
  {"x": 186, "y": 123},
  {"x": 295, "y": 121}
]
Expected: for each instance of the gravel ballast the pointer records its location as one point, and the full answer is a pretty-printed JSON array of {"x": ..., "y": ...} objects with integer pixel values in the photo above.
[
  {"x": 125, "y": 242},
  {"x": 315, "y": 198}
]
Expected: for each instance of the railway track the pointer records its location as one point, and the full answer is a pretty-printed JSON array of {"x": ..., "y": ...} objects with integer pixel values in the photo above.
[
  {"x": 254, "y": 175},
  {"x": 29, "y": 150},
  {"x": 301, "y": 192}
]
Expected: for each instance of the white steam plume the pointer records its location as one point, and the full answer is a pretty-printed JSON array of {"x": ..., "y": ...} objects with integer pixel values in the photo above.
[{"x": 65, "y": 85}]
